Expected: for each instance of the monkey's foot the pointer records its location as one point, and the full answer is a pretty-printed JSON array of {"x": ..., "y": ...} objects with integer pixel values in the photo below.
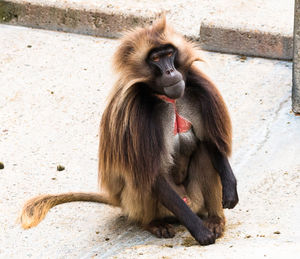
[
  {"x": 215, "y": 224},
  {"x": 161, "y": 229}
]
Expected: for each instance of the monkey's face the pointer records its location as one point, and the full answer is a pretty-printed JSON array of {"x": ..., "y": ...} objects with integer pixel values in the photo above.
[{"x": 167, "y": 79}]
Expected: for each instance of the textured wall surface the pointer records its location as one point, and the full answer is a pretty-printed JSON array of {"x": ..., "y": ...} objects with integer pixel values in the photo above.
[
  {"x": 256, "y": 28},
  {"x": 296, "y": 66}
]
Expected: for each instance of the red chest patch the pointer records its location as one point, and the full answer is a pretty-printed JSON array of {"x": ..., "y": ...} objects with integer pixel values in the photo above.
[{"x": 181, "y": 125}]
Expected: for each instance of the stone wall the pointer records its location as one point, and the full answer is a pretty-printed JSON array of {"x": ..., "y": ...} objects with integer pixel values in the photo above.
[{"x": 296, "y": 64}]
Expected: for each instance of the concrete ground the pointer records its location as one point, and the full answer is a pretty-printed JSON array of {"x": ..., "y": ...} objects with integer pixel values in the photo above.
[{"x": 52, "y": 91}]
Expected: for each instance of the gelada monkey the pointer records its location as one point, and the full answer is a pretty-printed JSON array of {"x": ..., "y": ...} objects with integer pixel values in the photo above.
[{"x": 165, "y": 138}]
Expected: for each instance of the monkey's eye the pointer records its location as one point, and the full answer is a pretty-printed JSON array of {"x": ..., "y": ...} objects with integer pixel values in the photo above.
[
  {"x": 170, "y": 54},
  {"x": 155, "y": 58}
]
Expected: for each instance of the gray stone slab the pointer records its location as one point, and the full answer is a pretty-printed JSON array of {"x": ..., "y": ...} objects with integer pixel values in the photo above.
[
  {"x": 296, "y": 60},
  {"x": 94, "y": 19},
  {"x": 256, "y": 28},
  {"x": 217, "y": 36}
]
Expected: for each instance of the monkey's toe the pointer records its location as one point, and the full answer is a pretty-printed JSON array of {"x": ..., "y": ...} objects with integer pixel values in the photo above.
[
  {"x": 216, "y": 225},
  {"x": 161, "y": 229}
]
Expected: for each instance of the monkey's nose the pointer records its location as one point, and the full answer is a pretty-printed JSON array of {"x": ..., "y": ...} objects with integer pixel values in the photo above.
[
  {"x": 170, "y": 77},
  {"x": 169, "y": 71}
]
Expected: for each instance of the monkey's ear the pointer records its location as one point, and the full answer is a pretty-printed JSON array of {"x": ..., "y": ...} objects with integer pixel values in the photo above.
[
  {"x": 161, "y": 24},
  {"x": 122, "y": 54},
  {"x": 126, "y": 50}
]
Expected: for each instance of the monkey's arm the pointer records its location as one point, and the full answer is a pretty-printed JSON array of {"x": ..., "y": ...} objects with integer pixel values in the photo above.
[
  {"x": 222, "y": 166},
  {"x": 171, "y": 200},
  {"x": 217, "y": 125}
]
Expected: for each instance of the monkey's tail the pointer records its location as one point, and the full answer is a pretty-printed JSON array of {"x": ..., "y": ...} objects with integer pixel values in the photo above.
[{"x": 35, "y": 209}]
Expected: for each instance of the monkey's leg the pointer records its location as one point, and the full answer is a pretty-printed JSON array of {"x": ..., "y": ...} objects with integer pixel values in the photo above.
[
  {"x": 221, "y": 164},
  {"x": 171, "y": 200},
  {"x": 205, "y": 181}
]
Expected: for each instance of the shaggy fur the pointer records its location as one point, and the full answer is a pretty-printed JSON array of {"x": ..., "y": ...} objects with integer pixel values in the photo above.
[{"x": 137, "y": 143}]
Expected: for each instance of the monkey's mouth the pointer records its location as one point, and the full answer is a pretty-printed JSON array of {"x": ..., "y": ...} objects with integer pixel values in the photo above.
[{"x": 176, "y": 90}]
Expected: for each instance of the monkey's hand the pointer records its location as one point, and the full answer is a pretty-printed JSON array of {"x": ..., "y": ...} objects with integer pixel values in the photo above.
[
  {"x": 172, "y": 201},
  {"x": 230, "y": 194},
  {"x": 203, "y": 235}
]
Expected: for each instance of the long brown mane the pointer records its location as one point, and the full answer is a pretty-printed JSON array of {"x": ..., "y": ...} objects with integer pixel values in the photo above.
[
  {"x": 214, "y": 112},
  {"x": 130, "y": 142}
]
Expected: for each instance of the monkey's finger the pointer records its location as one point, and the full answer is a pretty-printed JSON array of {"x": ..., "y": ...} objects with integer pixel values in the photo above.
[
  {"x": 164, "y": 232},
  {"x": 171, "y": 230},
  {"x": 157, "y": 232}
]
